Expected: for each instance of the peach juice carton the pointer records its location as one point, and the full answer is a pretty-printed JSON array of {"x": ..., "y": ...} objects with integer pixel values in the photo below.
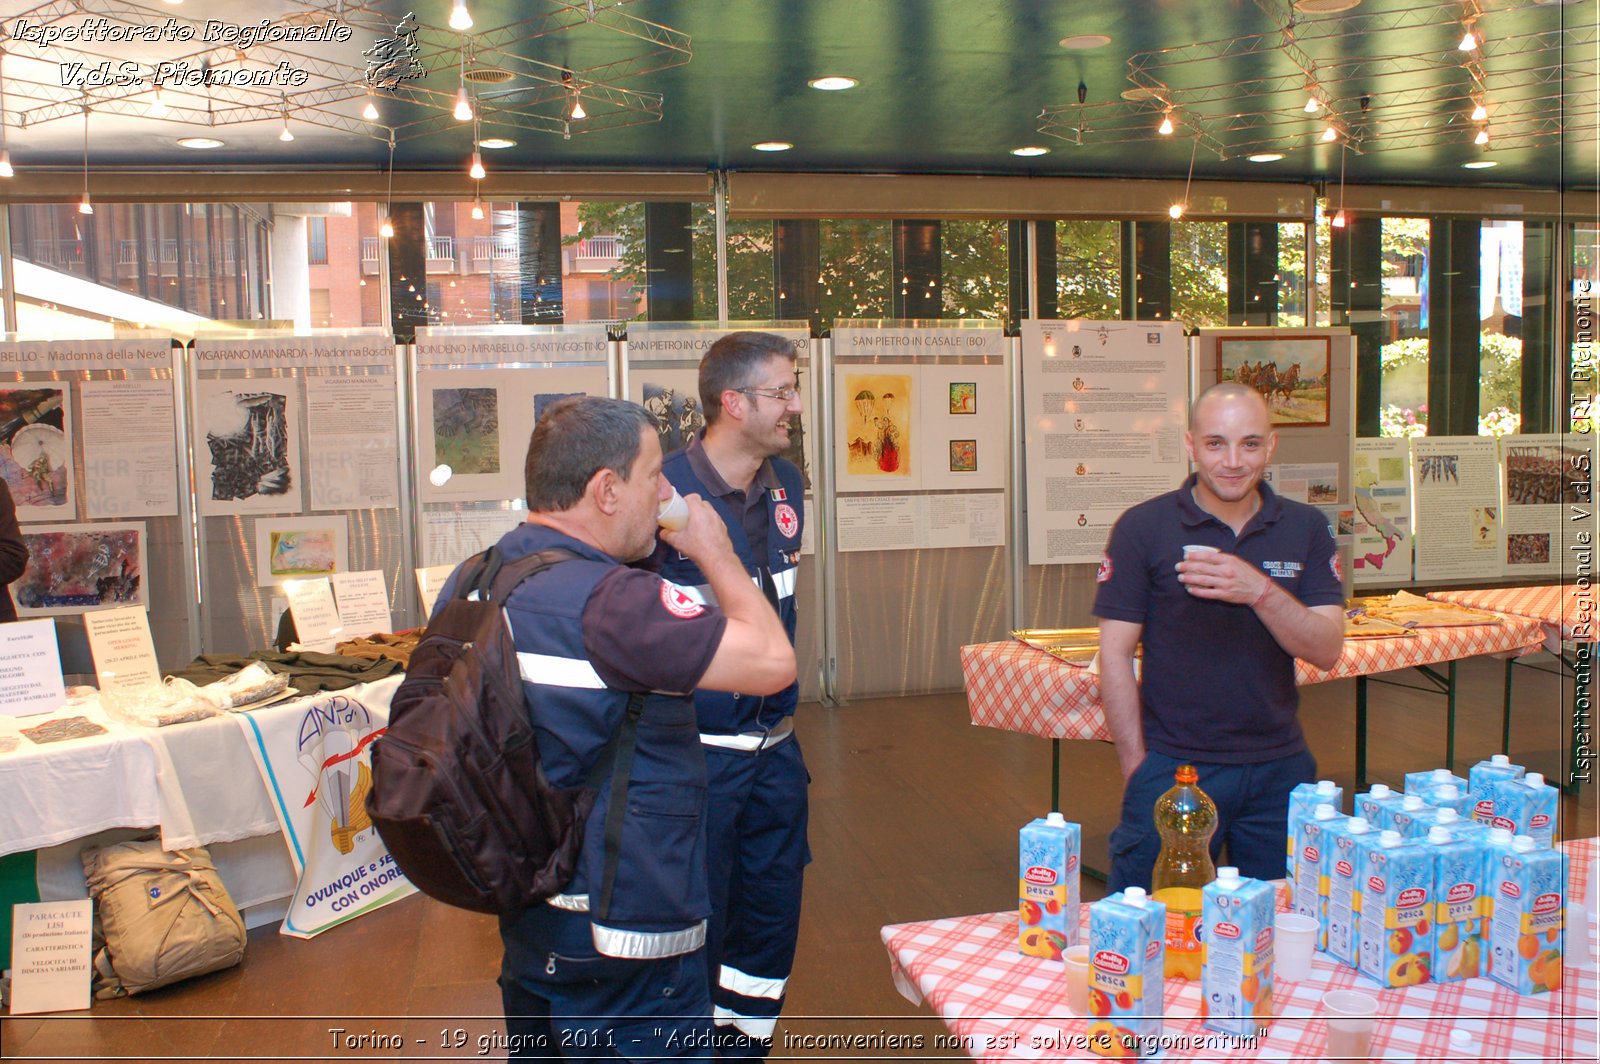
[
  {"x": 1396, "y": 946},
  {"x": 1047, "y": 886},
  {"x": 1529, "y": 884},
  {"x": 1309, "y": 892},
  {"x": 1526, "y": 807},
  {"x": 1460, "y": 865},
  {"x": 1127, "y": 962},
  {"x": 1343, "y": 838},
  {"x": 1405, "y": 817},
  {"x": 1374, "y": 804},
  {"x": 1303, "y": 800},
  {"x": 1236, "y": 953},
  {"x": 1481, "y": 779},
  {"x": 1417, "y": 782},
  {"x": 1460, "y": 825},
  {"x": 1448, "y": 795}
]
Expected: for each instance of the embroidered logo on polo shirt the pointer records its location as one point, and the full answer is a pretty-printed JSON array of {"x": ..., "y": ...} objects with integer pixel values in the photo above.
[
  {"x": 788, "y": 521},
  {"x": 778, "y": 494},
  {"x": 681, "y": 601},
  {"x": 1282, "y": 570},
  {"x": 1333, "y": 564},
  {"x": 1102, "y": 574}
]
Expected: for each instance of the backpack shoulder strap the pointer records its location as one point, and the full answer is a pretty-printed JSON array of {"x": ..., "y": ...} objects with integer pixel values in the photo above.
[{"x": 508, "y": 574}]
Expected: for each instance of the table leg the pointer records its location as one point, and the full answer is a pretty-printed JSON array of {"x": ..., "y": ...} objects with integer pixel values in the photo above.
[
  {"x": 1361, "y": 733},
  {"x": 1505, "y": 719},
  {"x": 1450, "y": 722}
]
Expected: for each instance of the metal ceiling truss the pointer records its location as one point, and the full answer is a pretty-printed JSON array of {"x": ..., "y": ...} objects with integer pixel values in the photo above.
[
  {"x": 336, "y": 91},
  {"x": 1373, "y": 101}
]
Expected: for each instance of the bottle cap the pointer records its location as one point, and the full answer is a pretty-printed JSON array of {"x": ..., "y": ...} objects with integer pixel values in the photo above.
[
  {"x": 1524, "y": 843},
  {"x": 1448, "y": 815},
  {"x": 1438, "y": 836},
  {"x": 1379, "y": 790},
  {"x": 1055, "y": 819},
  {"x": 1500, "y": 836},
  {"x": 1326, "y": 786},
  {"x": 1186, "y": 774},
  {"x": 1460, "y": 1039},
  {"x": 1412, "y": 802},
  {"x": 1359, "y": 825},
  {"x": 1325, "y": 812},
  {"x": 1390, "y": 839},
  {"x": 1534, "y": 779},
  {"x": 1500, "y": 759},
  {"x": 1228, "y": 872},
  {"x": 1441, "y": 775},
  {"x": 1134, "y": 896}
]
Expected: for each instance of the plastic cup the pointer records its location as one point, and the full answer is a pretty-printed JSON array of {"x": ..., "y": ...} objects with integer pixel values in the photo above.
[
  {"x": 1351, "y": 1015},
  {"x": 1198, "y": 548},
  {"x": 674, "y": 513},
  {"x": 1076, "y": 959},
  {"x": 1294, "y": 936}
]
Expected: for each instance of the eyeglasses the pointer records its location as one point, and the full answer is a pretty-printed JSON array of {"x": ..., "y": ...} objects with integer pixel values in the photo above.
[{"x": 787, "y": 394}]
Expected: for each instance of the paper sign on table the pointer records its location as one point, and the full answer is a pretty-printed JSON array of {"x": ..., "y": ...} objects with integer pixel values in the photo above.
[
  {"x": 316, "y": 618},
  {"x": 124, "y": 654},
  {"x": 363, "y": 603},
  {"x": 429, "y": 580},
  {"x": 30, "y": 669},
  {"x": 50, "y": 969}
]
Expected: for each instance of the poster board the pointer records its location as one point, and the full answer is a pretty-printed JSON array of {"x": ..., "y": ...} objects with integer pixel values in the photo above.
[
  {"x": 1548, "y": 499},
  {"x": 1455, "y": 488},
  {"x": 1380, "y": 485}
]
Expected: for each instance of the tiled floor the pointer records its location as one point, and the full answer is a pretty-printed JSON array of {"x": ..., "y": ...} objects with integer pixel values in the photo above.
[{"x": 914, "y": 816}]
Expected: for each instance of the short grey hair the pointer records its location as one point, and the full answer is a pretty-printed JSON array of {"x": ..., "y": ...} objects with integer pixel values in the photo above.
[
  {"x": 733, "y": 362},
  {"x": 575, "y": 439}
]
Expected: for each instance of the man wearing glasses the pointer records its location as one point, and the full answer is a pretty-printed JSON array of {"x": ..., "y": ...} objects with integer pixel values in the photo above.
[{"x": 756, "y": 851}]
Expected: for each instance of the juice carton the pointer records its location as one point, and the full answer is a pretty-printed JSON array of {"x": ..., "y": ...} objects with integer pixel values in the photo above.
[
  {"x": 1460, "y": 825},
  {"x": 1396, "y": 946},
  {"x": 1309, "y": 893},
  {"x": 1481, "y": 780},
  {"x": 1047, "y": 903},
  {"x": 1499, "y": 841},
  {"x": 1527, "y": 807},
  {"x": 1127, "y": 962},
  {"x": 1343, "y": 896},
  {"x": 1302, "y": 801},
  {"x": 1405, "y": 816},
  {"x": 1416, "y": 782},
  {"x": 1447, "y": 794},
  {"x": 1374, "y": 805},
  {"x": 1236, "y": 957},
  {"x": 1529, "y": 885},
  {"x": 1460, "y": 866}
]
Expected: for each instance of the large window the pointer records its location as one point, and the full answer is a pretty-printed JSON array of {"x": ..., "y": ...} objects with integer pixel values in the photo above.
[
  {"x": 1088, "y": 269},
  {"x": 1200, "y": 273},
  {"x": 1403, "y": 393}
]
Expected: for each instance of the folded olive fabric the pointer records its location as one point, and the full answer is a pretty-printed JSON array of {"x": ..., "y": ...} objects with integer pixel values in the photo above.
[{"x": 308, "y": 671}]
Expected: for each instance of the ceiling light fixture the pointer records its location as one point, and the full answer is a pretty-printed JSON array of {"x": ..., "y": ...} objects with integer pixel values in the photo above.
[
  {"x": 1084, "y": 42},
  {"x": 158, "y": 106},
  {"x": 496, "y": 143},
  {"x": 1339, "y": 221},
  {"x": 475, "y": 170},
  {"x": 1330, "y": 133},
  {"x": 199, "y": 143},
  {"x": 287, "y": 134},
  {"x": 460, "y": 17},
  {"x": 1028, "y": 151},
  {"x": 477, "y": 207},
  {"x": 833, "y": 83},
  {"x": 1313, "y": 105},
  {"x": 1480, "y": 113},
  {"x": 1469, "y": 40},
  {"x": 1266, "y": 157},
  {"x": 1482, "y": 137},
  {"x": 84, "y": 206},
  {"x": 1165, "y": 128},
  {"x": 386, "y": 230},
  {"x": 772, "y": 145},
  {"x": 577, "y": 113},
  {"x": 6, "y": 169},
  {"x": 463, "y": 110},
  {"x": 370, "y": 111},
  {"x": 1479, "y": 164}
]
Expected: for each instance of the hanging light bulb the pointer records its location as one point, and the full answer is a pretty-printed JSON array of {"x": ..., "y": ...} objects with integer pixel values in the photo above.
[
  {"x": 1479, "y": 111},
  {"x": 1165, "y": 128},
  {"x": 1330, "y": 133},
  {"x": 1175, "y": 211},
  {"x": 577, "y": 107},
  {"x": 477, "y": 211},
  {"x": 158, "y": 106},
  {"x": 1338, "y": 221},
  {"x": 1482, "y": 137},
  {"x": 370, "y": 111},
  {"x": 463, "y": 111},
  {"x": 1469, "y": 40},
  {"x": 84, "y": 206},
  {"x": 475, "y": 171},
  {"x": 286, "y": 134},
  {"x": 460, "y": 17},
  {"x": 386, "y": 230},
  {"x": 1313, "y": 105},
  {"x": 5, "y": 163}
]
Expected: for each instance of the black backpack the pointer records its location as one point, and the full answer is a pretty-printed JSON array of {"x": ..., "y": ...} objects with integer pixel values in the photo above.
[{"x": 458, "y": 793}]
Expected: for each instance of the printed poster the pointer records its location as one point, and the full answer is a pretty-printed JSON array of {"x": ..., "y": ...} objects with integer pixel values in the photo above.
[
  {"x": 78, "y": 568},
  {"x": 130, "y": 468},
  {"x": 316, "y": 764},
  {"x": 247, "y": 445},
  {"x": 1380, "y": 486},
  {"x": 352, "y": 440},
  {"x": 293, "y": 547},
  {"x": 1455, "y": 482},
  {"x": 36, "y": 451},
  {"x": 879, "y": 445},
  {"x": 1548, "y": 478},
  {"x": 1106, "y": 407}
]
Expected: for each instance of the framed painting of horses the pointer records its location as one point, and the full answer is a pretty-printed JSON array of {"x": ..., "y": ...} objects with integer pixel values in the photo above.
[{"x": 1291, "y": 372}]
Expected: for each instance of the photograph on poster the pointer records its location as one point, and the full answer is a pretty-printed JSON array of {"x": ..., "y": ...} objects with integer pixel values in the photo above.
[
  {"x": 77, "y": 568},
  {"x": 963, "y": 456},
  {"x": 290, "y": 547},
  {"x": 466, "y": 429},
  {"x": 543, "y": 400},
  {"x": 1540, "y": 474},
  {"x": 963, "y": 397},
  {"x": 248, "y": 435},
  {"x": 677, "y": 413},
  {"x": 1483, "y": 518},
  {"x": 1439, "y": 469},
  {"x": 1291, "y": 372},
  {"x": 1321, "y": 491},
  {"x": 878, "y": 424},
  {"x": 35, "y": 450},
  {"x": 1528, "y": 548}
]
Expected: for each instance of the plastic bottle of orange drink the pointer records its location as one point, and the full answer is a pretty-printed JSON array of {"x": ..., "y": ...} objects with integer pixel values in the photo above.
[{"x": 1186, "y": 819}]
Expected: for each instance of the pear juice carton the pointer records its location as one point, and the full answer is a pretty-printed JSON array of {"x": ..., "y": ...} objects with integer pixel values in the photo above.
[
  {"x": 1448, "y": 795},
  {"x": 1460, "y": 825},
  {"x": 1460, "y": 865},
  {"x": 1309, "y": 893},
  {"x": 1343, "y": 905},
  {"x": 1127, "y": 962},
  {"x": 1374, "y": 804},
  {"x": 1303, "y": 800},
  {"x": 1047, "y": 903},
  {"x": 1236, "y": 957},
  {"x": 1527, "y": 807},
  {"x": 1481, "y": 779},
  {"x": 1419, "y": 782},
  {"x": 1409, "y": 817},
  {"x": 1396, "y": 923},
  {"x": 1529, "y": 884}
]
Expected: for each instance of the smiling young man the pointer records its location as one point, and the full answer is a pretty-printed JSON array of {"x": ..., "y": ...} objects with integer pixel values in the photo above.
[
  {"x": 1221, "y": 630},
  {"x": 756, "y": 849}
]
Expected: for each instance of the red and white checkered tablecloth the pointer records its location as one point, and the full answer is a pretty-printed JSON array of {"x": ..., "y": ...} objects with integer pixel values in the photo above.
[
  {"x": 1551, "y": 605},
  {"x": 1007, "y": 1007},
  {"x": 1016, "y": 687}
]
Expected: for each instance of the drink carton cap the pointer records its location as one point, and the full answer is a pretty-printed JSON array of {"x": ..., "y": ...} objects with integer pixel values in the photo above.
[
  {"x": 1524, "y": 843},
  {"x": 1534, "y": 779},
  {"x": 1460, "y": 1039},
  {"x": 1448, "y": 790},
  {"x": 1438, "y": 836},
  {"x": 1135, "y": 895},
  {"x": 1186, "y": 774},
  {"x": 1055, "y": 819},
  {"x": 1325, "y": 812},
  {"x": 1228, "y": 874},
  {"x": 1379, "y": 790},
  {"x": 1441, "y": 775},
  {"x": 1500, "y": 836},
  {"x": 1500, "y": 759},
  {"x": 1448, "y": 815},
  {"x": 1326, "y": 786},
  {"x": 1360, "y": 825},
  {"x": 1390, "y": 839},
  {"x": 1413, "y": 801}
]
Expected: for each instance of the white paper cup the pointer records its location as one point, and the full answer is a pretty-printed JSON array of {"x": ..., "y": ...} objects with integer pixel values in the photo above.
[
  {"x": 1198, "y": 548},
  {"x": 1294, "y": 937},
  {"x": 1351, "y": 1015},
  {"x": 1076, "y": 958},
  {"x": 674, "y": 513}
]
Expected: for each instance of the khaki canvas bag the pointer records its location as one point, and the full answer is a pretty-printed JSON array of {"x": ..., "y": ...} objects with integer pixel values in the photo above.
[{"x": 164, "y": 916}]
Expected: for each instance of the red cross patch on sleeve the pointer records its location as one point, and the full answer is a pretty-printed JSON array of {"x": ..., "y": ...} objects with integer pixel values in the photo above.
[
  {"x": 680, "y": 601},
  {"x": 1103, "y": 573}
]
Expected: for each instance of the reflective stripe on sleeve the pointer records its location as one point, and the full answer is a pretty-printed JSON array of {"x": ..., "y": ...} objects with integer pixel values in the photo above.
[
  {"x": 752, "y": 986},
  {"x": 755, "y": 1026},
  {"x": 553, "y": 671}
]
